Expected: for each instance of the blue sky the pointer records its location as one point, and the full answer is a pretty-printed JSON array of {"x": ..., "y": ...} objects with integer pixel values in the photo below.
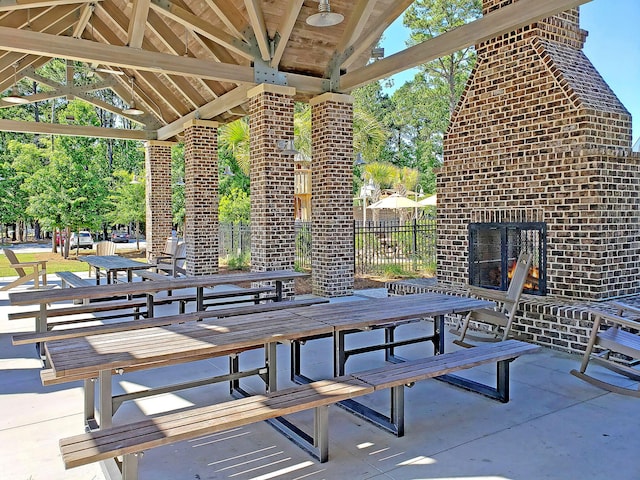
[{"x": 613, "y": 46}]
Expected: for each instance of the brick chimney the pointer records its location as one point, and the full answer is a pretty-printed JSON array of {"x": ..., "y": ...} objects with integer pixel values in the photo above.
[{"x": 538, "y": 136}]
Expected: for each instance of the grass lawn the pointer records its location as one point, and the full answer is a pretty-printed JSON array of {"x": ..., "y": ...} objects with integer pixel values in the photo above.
[{"x": 55, "y": 262}]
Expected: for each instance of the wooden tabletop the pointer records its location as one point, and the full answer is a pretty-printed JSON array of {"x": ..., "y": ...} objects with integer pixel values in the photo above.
[
  {"x": 213, "y": 337},
  {"x": 114, "y": 262},
  {"x": 355, "y": 315},
  {"x": 35, "y": 297}
]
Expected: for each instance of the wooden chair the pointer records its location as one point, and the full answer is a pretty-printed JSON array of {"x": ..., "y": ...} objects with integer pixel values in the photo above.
[
  {"x": 35, "y": 271},
  {"x": 615, "y": 337},
  {"x": 105, "y": 248},
  {"x": 170, "y": 248},
  {"x": 501, "y": 318},
  {"x": 176, "y": 264}
]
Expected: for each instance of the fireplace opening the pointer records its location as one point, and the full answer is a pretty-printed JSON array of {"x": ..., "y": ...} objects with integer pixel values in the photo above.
[{"x": 495, "y": 247}]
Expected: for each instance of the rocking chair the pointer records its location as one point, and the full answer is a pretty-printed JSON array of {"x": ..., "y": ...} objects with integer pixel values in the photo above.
[
  {"x": 500, "y": 318},
  {"x": 613, "y": 340}
]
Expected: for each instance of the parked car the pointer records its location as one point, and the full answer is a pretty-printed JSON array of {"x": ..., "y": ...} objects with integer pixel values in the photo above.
[
  {"x": 81, "y": 239},
  {"x": 120, "y": 237}
]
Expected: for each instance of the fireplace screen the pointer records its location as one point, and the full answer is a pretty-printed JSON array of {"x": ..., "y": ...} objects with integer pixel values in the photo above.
[{"x": 495, "y": 247}]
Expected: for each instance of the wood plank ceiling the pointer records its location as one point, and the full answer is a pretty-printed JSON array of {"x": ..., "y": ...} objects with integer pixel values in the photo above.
[{"x": 197, "y": 58}]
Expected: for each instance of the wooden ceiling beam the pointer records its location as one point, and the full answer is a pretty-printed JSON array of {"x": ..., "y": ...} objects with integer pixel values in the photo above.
[
  {"x": 226, "y": 102},
  {"x": 256, "y": 20},
  {"x": 195, "y": 23},
  {"x": 355, "y": 24},
  {"x": 177, "y": 46},
  {"x": 42, "y": 44},
  {"x": 229, "y": 14},
  {"x": 367, "y": 40},
  {"x": 498, "y": 22},
  {"x": 9, "y": 5},
  {"x": 36, "y": 97},
  {"x": 45, "y": 128},
  {"x": 113, "y": 109},
  {"x": 137, "y": 23},
  {"x": 64, "y": 21},
  {"x": 26, "y": 62},
  {"x": 285, "y": 30},
  {"x": 119, "y": 56},
  {"x": 85, "y": 15},
  {"x": 156, "y": 85},
  {"x": 190, "y": 94}
]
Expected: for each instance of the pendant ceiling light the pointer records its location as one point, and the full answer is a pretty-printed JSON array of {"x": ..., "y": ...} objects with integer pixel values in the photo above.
[
  {"x": 325, "y": 17},
  {"x": 14, "y": 96},
  {"x": 132, "y": 110}
]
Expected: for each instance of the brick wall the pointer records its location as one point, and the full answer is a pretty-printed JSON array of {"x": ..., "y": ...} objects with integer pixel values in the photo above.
[
  {"x": 539, "y": 136},
  {"x": 332, "y": 203},
  {"x": 158, "y": 195},
  {"x": 272, "y": 181},
  {"x": 201, "y": 196}
]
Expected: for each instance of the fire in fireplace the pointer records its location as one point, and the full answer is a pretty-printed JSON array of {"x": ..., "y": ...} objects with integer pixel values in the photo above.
[{"x": 494, "y": 249}]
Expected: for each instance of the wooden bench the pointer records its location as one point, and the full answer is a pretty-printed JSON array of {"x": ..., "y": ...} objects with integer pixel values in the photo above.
[
  {"x": 211, "y": 299},
  {"x": 70, "y": 279},
  {"x": 61, "y": 334},
  {"x": 131, "y": 439},
  {"x": 397, "y": 376}
]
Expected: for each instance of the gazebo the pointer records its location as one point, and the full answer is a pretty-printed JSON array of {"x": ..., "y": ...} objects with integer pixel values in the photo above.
[{"x": 184, "y": 67}]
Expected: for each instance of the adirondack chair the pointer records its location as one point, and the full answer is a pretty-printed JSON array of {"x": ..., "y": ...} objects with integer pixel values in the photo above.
[
  {"x": 500, "y": 319},
  {"x": 105, "y": 248},
  {"x": 619, "y": 340},
  {"x": 34, "y": 270}
]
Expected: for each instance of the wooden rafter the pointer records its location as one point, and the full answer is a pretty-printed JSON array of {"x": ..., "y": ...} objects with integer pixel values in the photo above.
[
  {"x": 368, "y": 38},
  {"x": 228, "y": 13},
  {"x": 175, "y": 44},
  {"x": 218, "y": 106},
  {"x": 498, "y": 22},
  {"x": 64, "y": 21},
  {"x": 45, "y": 128},
  {"x": 7, "y": 5},
  {"x": 83, "y": 21},
  {"x": 256, "y": 19},
  {"x": 285, "y": 30},
  {"x": 152, "y": 81},
  {"x": 137, "y": 23},
  {"x": 356, "y": 23},
  {"x": 195, "y": 23}
]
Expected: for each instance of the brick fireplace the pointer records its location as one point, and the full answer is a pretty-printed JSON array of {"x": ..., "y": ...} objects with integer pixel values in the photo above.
[{"x": 539, "y": 137}]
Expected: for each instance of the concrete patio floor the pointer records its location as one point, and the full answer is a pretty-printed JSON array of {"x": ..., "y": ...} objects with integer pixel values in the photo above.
[{"x": 554, "y": 427}]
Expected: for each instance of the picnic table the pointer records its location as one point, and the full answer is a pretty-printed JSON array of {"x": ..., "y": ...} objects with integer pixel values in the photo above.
[
  {"x": 150, "y": 289},
  {"x": 99, "y": 356},
  {"x": 112, "y": 264}
]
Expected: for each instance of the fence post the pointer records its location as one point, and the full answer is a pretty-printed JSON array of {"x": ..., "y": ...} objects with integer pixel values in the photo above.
[
  {"x": 415, "y": 245},
  {"x": 355, "y": 250}
]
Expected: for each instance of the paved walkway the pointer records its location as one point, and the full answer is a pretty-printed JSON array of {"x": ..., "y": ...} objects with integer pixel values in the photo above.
[{"x": 555, "y": 427}]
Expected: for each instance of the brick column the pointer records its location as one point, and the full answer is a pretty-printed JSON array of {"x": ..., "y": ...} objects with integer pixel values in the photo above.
[
  {"x": 272, "y": 185},
  {"x": 158, "y": 195},
  {"x": 331, "y": 194},
  {"x": 201, "y": 196}
]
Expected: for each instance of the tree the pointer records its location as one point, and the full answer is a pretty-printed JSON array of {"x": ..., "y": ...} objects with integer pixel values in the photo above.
[
  {"x": 235, "y": 207},
  {"x": 430, "y": 18},
  {"x": 128, "y": 202}
]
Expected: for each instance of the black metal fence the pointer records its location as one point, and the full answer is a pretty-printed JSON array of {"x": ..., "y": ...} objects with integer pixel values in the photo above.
[
  {"x": 379, "y": 247},
  {"x": 235, "y": 239}
]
